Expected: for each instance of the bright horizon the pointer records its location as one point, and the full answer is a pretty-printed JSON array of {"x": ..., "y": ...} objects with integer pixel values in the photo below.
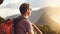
[
  {"x": 35, "y": 5},
  {"x": 39, "y": 4}
]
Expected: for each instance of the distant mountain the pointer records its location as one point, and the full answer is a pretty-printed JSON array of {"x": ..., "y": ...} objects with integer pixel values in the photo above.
[
  {"x": 48, "y": 17},
  {"x": 35, "y": 15},
  {"x": 12, "y": 17},
  {"x": 43, "y": 16},
  {"x": 40, "y": 16}
]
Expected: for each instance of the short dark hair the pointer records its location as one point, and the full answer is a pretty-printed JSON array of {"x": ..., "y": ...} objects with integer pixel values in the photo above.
[
  {"x": 23, "y": 8},
  {"x": 1, "y": 1}
]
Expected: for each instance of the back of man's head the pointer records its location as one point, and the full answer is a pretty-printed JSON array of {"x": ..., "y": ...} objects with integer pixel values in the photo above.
[
  {"x": 23, "y": 8},
  {"x": 1, "y": 1}
]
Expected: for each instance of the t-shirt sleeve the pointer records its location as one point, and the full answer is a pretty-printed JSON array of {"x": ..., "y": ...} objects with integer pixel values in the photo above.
[{"x": 29, "y": 27}]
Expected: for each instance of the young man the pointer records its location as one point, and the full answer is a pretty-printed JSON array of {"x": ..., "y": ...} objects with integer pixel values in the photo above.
[{"x": 23, "y": 25}]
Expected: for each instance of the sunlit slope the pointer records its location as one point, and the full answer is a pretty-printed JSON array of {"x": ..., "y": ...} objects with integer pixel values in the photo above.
[{"x": 51, "y": 16}]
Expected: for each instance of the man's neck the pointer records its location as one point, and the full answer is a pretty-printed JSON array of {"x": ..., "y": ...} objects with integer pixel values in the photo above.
[{"x": 25, "y": 16}]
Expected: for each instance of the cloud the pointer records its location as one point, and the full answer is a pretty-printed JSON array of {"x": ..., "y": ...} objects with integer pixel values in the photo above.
[
  {"x": 41, "y": 3},
  {"x": 54, "y": 3},
  {"x": 37, "y": 3},
  {"x": 14, "y": 1},
  {"x": 34, "y": 3},
  {"x": 8, "y": 12},
  {"x": 12, "y": 4}
]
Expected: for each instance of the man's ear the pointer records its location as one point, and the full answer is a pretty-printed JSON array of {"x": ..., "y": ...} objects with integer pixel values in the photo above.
[
  {"x": 29, "y": 14},
  {"x": 27, "y": 10}
]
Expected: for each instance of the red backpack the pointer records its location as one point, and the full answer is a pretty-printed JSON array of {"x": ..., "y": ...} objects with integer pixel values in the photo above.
[
  {"x": 8, "y": 26},
  {"x": 2, "y": 28}
]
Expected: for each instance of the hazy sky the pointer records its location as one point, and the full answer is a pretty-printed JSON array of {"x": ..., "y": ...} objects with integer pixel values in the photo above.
[
  {"x": 10, "y": 7},
  {"x": 34, "y": 3}
]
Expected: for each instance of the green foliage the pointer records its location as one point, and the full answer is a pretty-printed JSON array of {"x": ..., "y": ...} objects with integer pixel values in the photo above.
[
  {"x": 46, "y": 29},
  {"x": 1, "y": 19}
]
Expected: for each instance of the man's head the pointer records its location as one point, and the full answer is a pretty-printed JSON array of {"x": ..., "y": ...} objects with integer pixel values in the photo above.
[
  {"x": 1, "y": 1},
  {"x": 25, "y": 9}
]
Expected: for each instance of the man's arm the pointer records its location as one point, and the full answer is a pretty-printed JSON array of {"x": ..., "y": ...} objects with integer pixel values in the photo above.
[
  {"x": 36, "y": 29},
  {"x": 29, "y": 29}
]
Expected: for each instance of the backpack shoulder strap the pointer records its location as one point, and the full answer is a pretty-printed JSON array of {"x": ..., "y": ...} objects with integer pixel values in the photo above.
[{"x": 14, "y": 24}]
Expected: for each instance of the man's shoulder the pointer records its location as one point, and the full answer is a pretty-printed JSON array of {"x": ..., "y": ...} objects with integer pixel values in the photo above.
[{"x": 25, "y": 21}]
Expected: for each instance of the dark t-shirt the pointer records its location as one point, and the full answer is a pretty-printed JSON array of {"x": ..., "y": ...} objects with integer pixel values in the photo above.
[{"x": 23, "y": 26}]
